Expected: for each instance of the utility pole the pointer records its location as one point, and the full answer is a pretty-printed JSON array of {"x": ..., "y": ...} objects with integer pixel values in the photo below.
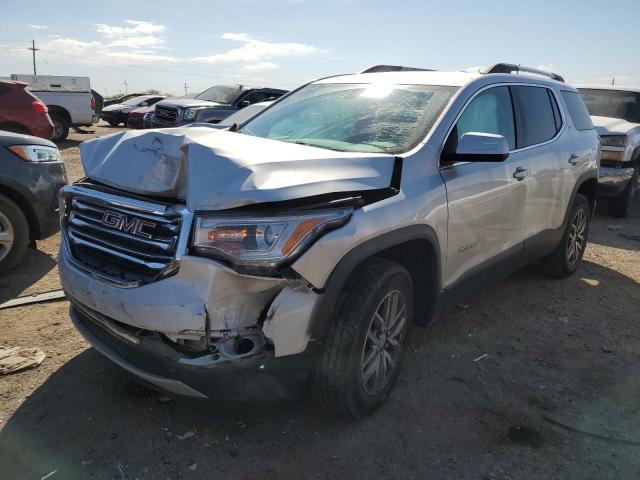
[
  {"x": 33, "y": 50},
  {"x": 613, "y": 81},
  {"x": 126, "y": 87},
  {"x": 185, "y": 89}
]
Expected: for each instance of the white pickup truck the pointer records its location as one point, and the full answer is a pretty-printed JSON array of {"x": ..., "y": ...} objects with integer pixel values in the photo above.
[
  {"x": 69, "y": 99},
  {"x": 615, "y": 112}
]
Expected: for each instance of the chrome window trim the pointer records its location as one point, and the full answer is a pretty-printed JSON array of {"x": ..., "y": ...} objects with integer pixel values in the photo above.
[{"x": 517, "y": 150}]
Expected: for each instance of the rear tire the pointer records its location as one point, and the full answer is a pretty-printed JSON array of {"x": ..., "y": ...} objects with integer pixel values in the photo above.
[
  {"x": 14, "y": 234},
  {"x": 60, "y": 127},
  {"x": 620, "y": 206},
  {"x": 567, "y": 256},
  {"x": 364, "y": 346}
]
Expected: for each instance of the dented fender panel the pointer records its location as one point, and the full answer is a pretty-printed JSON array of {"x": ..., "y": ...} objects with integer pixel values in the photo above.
[{"x": 288, "y": 319}]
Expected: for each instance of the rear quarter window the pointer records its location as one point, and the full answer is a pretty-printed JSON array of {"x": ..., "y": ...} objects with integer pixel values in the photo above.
[{"x": 577, "y": 110}]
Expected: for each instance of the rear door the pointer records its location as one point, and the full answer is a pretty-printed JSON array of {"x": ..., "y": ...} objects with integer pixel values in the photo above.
[
  {"x": 485, "y": 202},
  {"x": 544, "y": 154}
]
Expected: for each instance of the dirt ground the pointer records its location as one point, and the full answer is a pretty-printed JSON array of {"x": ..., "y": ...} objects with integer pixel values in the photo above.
[{"x": 535, "y": 378}]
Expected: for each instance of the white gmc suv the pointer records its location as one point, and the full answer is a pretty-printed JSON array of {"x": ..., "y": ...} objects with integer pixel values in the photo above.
[{"x": 303, "y": 244}]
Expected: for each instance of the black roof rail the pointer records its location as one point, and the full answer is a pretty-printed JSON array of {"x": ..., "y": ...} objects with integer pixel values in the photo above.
[
  {"x": 511, "y": 68},
  {"x": 394, "y": 68}
]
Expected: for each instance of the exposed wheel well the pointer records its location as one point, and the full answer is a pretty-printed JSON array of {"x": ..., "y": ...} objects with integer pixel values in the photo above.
[
  {"x": 56, "y": 110},
  {"x": 589, "y": 189},
  {"x": 419, "y": 258},
  {"x": 25, "y": 207}
]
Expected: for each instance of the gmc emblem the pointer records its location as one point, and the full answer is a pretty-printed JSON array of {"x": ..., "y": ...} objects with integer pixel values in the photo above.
[{"x": 122, "y": 222}]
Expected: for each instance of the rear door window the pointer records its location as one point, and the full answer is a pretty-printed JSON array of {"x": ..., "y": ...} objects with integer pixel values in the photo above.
[
  {"x": 490, "y": 112},
  {"x": 535, "y": 116},
  {"x": 577, "y": 110}
]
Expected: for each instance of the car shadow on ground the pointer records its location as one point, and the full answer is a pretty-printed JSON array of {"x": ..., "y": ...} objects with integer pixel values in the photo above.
[
  {"x": 477, "y": 398},
  {"x": 34, "y": 266}
]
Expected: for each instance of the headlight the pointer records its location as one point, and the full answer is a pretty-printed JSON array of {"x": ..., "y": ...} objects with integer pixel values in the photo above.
[
  {"x": 261, "y": 244},
  {"x": 37, "y": 153},
  {"x": 613, "y": 140},
  {"x": 190, "y": 113}
]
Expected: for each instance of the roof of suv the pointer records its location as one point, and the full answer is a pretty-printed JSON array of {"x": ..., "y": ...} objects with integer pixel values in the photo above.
[
  {"x": 409, "y": 77},
  {"x": 454, "y": 79}
]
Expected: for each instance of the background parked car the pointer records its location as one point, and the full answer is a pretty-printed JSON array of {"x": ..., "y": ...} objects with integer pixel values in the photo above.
[
  {"x": 117, "y": 113},
  {"x": 211, "y": 106},
  {"x": 615, "y": 113},
  {"x": 31, "y": 174},
  {"x": 69, "y": 100},
  {"x": 122, "y": 99},
  {"x": 23, "y": 112},
  {"x": 136, "y": 116},
  {"x": 243, "y": 115}
]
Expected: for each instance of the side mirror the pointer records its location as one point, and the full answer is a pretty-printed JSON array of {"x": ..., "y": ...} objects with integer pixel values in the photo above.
[
  {"x": 244, "y": 103},
  {"x": 481, "y": 147},
  {"x": 143, "y": 104}
]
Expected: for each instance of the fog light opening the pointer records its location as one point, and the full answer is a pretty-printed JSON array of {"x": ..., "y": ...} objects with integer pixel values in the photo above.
[{"x": 244, "y": 345}]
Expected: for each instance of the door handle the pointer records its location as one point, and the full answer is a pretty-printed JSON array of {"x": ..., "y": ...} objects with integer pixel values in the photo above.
[
  {"x": 520, "y": 174},
  {"x": 573, "y": 159}
]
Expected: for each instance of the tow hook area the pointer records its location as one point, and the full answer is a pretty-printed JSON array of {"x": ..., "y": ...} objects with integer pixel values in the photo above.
[{"x": 236, "y": 349}]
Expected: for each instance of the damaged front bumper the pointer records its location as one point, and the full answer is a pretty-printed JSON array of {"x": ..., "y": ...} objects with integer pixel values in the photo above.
[
  {"x": 194, "y": 327},
  {"x": 614, "y": 179},
  {"x": 220, "y": 373}
]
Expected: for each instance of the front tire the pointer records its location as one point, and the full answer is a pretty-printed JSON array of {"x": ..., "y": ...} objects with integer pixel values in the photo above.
[
  {"x": 567, "y": 257},
  {"x": 14, "y": 234},
  {"x": 620, "y": 206},
  {"x": 364, "y": 346}
]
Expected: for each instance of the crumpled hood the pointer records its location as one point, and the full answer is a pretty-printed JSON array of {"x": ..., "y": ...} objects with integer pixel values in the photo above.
[
  {"x": 612, "y": 126},
  {"x": 216, "y": 169},
  {"x": 188, "y": 102}
]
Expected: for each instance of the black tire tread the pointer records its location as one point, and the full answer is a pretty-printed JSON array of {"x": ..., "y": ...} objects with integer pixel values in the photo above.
[
  {"x": 333, "y": 375},
  {"x": 555, "y": 262}
]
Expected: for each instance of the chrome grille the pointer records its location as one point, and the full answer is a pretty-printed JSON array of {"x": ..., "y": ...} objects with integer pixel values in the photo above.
[
  {"x": 122, "y": 243},
  {"x": 166, "y": 114}
]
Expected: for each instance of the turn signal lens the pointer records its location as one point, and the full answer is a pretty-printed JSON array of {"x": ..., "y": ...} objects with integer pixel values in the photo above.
[{"x": 299, "y": 233}]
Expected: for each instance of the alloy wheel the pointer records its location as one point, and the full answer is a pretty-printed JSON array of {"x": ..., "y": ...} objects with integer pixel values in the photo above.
[
  {"x": 6, "y": 236},
  {"x": 383, "y": 344},
  {"x": 577, "y": 234}
]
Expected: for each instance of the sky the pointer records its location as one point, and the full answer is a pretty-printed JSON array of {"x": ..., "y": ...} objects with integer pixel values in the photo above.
[{"x": 163, "y": 44}]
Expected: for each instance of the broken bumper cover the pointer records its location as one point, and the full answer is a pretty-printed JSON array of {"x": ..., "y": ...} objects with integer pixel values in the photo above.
[
  {"x": 256, "y": 376},
  {"x": 612, "y": 181}
]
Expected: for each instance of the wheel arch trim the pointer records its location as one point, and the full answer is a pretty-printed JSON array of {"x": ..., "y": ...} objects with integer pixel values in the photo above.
[{"x": 325, "y": 307}]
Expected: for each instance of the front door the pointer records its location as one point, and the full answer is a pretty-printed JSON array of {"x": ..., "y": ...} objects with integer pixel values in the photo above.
[{"x": 486, "y": 203}]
